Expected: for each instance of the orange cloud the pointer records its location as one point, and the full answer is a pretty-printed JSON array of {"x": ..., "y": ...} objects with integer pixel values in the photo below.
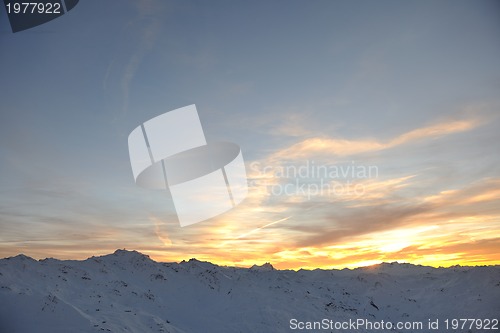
[{"x": 344, "y": 147}]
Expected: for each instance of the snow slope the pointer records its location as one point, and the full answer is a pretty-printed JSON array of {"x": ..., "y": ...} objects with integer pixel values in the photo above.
[{"x": 128, "y": 292}]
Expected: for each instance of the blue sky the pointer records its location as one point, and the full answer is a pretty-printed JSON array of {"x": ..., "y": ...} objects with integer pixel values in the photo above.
[{"x": 411, "y": 87}]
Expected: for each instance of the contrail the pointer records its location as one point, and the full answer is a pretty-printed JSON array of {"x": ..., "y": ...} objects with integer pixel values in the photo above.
[
  {"x": 264, "y": 226},
  {"x": 269, "y": 224}
]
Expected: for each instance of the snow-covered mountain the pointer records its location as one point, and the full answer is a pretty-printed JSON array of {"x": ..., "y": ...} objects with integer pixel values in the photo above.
[{"x": 128, "y": 292}]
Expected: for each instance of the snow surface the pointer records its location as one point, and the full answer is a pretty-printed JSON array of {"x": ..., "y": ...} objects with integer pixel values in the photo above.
[{"x": 128, "y": 292}]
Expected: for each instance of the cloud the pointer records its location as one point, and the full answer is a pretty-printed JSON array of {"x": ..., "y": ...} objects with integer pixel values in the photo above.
[
  {"x": 160, "y": 230},
  {"x": 468, "y": 251},
  {"x": 381, "y": 227},
  {"x": 483, "y": 191},
  {"x": 345, "y": 147},
  {"x": 292, "y": 126},
  {"x": 149, "y": 27},
  {"x": 374, "y": 192},
  {"x": 341, "y": 228}
]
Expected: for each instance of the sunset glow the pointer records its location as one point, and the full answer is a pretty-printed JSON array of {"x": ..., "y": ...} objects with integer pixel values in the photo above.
[{"x": 362, "y": 143}]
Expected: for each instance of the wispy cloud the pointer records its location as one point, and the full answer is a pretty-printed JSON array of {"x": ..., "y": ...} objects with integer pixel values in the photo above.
[
  {"x": 345, "y": 147},
  {"x": 160, "y": 230},
  {"x": 149, "y": 27}
]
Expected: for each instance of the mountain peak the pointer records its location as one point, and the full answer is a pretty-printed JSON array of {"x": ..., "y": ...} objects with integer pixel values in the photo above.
[
  {"x": 129, "y": 255},
  {"x": 265, "y": 267},
  {"x": 125, "y": 252},
  {"x": 21, "y": 257}
]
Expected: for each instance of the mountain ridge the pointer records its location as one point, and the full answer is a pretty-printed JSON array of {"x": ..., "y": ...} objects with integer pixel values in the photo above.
[
  {"x": 267, "y": 265},
  {"x": 127, "y": 291}
]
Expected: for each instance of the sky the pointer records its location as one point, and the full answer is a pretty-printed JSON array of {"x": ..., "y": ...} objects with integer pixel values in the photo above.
[{"x": 369, "y": 130}]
